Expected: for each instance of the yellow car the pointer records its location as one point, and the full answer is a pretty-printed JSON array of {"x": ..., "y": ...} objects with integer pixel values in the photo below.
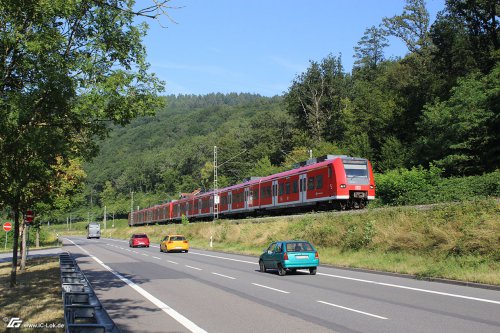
[{"x": 172, "y": 243}]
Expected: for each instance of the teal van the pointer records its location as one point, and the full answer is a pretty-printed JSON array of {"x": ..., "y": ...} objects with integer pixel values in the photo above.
[{"x": 289, "y": 255}]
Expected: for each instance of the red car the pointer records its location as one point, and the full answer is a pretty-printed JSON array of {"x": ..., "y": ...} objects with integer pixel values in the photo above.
[{"x": 139, "y": 240}]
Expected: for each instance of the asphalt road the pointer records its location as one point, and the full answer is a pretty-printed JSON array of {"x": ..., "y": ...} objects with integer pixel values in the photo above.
[{"x": 144, "y": 290}]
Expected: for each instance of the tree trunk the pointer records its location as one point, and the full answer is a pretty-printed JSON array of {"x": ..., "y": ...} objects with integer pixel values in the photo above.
[
  {"x": 24, "y": 247},
  {"x": 38, "y": 236},
  {"x": 14, "y": 247}
]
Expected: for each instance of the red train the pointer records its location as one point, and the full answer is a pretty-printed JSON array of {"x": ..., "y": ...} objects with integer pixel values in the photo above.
[{"x": 331, "y": 181}]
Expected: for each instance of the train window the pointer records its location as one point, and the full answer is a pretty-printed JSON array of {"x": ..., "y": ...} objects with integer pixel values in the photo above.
[
  {"x": 287, "y": 188},
  {"x": 282, "y": 188},
  {"x": 295, "y": 186},
  {"x": 268, "y": 191},
  {"x": 256, "y": 194},
  {"x": 329, "y": 171},
  {"x": 319, "y": 181},
  {"x": 310, "y": 183}
]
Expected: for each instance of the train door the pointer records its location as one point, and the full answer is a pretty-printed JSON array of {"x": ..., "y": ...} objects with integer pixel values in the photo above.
[
  {"x": 229, "y": 201},
  {"x": 303, "y": 187},
  {"x": 248, "y": 198},
  {"x": 200, "y": 205},
  {"x": 187, "y": 209},
  {"x": 275, "y": 192}
]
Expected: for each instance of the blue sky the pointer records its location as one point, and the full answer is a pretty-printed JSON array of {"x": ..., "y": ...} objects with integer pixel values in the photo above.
[{"x": 259, "y": 46}]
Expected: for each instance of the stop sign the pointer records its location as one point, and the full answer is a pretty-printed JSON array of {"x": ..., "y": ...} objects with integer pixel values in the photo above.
[{"x": 7, "y": 226}]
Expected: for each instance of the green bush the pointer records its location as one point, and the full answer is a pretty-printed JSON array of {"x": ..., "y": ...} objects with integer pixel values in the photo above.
[{"x": 422, "y": 186}]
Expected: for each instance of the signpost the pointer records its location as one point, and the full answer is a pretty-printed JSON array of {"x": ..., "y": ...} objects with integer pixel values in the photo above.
[{"x": 7, "y": 226}]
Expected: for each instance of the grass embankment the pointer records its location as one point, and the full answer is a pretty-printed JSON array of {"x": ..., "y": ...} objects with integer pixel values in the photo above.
[
  {"x": 459, "y": 241},
  {"x": 37, "y": 297}
]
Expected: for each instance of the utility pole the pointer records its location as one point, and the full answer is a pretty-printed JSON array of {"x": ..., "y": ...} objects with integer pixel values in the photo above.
[
  {"x": 216, "y": 194},
  {"x": 104, "y": 217},
  {"x": 132, "y": 208}
]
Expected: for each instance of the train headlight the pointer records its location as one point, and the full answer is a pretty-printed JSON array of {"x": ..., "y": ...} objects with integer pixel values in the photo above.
[
  {"x": 342, "y": 186},
  {"x": 372, "y": 187}
]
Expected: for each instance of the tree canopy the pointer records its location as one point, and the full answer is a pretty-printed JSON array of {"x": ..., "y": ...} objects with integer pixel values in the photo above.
[{"x": 68, "y": 69}]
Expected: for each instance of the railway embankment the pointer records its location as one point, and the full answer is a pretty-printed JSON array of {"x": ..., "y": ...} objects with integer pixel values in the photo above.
[{"x": 457, "y": 241}]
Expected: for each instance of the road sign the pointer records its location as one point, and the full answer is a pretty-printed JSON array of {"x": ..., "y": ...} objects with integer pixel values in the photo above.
[
  {"x": 29, "y": 216},
  {"x": 7, "y": 226}
]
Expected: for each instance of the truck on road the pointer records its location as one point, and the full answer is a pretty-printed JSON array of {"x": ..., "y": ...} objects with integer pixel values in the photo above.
[{"x": 93, "y": 230}]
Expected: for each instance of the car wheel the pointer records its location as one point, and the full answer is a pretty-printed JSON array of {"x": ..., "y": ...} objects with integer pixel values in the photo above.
[
  {"x": 262, "y": 266},
  {"x": 281, "y": 270},
  {"x": 313, "y": 270}
]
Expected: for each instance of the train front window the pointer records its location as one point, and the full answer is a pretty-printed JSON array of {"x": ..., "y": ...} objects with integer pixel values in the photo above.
[{"x": 356, "y": 170}]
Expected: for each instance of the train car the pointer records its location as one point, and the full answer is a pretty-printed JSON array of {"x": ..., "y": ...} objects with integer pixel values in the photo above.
[{"x": 328, "y": 182}]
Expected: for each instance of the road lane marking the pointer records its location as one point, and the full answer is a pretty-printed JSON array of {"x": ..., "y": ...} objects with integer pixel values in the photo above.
[
  {"x": 156, "y": 258},
  {"x": 135, "y": 252},
  {"x": 281, "y": 291},
  {"x": 364, "y": 281},
  {"x": 198, "y": 269},
  {"x": 411, "y": 288},
  {"x": 161, "y": 305},
  {"x": 144, "y": 254},
  {"x": 209, "y": 255},
  {"x": 173, "y": 262},
  {"x": 353, "y": 310},
  {"x": 226, "y": 276}
]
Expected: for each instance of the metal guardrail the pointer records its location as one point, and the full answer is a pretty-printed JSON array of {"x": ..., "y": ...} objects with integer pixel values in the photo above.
[{"x": 83, "y": 313}]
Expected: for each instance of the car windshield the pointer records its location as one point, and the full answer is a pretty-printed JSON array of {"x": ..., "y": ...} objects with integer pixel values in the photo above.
[
  {"x": 177, "y": 238},
  {"x": 299, "y": 247}
]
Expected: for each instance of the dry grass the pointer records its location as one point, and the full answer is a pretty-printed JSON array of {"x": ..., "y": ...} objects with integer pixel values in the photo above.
[{"x": 37, "y": 297}]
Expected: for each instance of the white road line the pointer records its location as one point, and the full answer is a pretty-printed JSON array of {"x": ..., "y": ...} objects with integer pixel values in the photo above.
[
  {"x": 161, "y": 305},
  {"x": 135, "y": 252},
  {"x": 411, "y": 288},
  {"x": 129, "y": 250},
  {"x": 144, "y": 254},
  {"x": 343, "y": 307},
  {"x": 281, "y": 291},
  {"x": 156, "y": 258},
  {"x": 173, "y": 262},
  {"x": 226, "y": 276},
  {"x": 198, "y": 269},
  {"x": 364, "y": 281},
  {"x": 209, "y": 255}
]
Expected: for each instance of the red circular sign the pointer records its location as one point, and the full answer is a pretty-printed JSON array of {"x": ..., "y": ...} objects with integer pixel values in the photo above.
[{"x": 7, "y": 226}]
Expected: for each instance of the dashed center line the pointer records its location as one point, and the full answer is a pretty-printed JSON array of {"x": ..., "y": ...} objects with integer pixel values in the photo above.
[
  {"x": 226, "y": 276},
  {"x": 198, "y": 269},
  {"x": 173, "y": 262},
  {"x": 156, "y": 258},
  {"x": 353, "y": 310},
  {"x": 262, "y": 286}
]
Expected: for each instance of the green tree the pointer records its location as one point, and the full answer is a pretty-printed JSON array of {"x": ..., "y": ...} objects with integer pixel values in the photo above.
[
  {"x": 314, "y": 99},
  {"x": 67, "y": 69},
  {"x": 370, "y": 50},
  {"x": 411, "y": 26},
  {"x": 461, "y": 134}
]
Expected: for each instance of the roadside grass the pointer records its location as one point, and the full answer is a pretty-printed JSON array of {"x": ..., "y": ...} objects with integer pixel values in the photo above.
[
  {"x": 459, "y": 241},
  {"x": 37, "y": 297},
  {"x": 49, "y": 241}
]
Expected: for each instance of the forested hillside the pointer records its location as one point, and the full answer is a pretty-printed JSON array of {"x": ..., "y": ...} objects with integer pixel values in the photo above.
[{"x": 435, "y": 109}]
